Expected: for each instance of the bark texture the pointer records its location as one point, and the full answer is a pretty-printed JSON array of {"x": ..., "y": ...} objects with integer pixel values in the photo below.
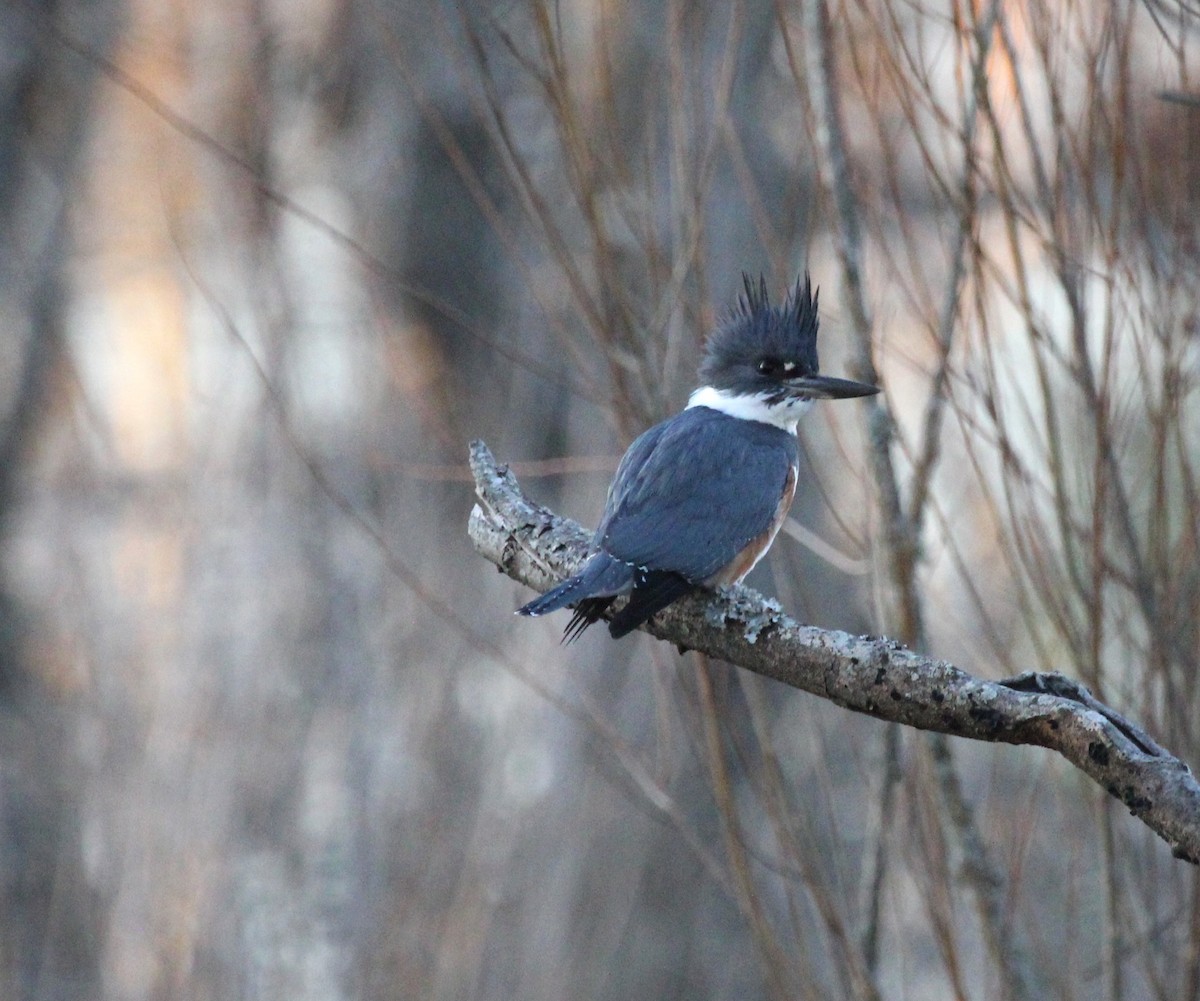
[{"x": 868, "y": 674}]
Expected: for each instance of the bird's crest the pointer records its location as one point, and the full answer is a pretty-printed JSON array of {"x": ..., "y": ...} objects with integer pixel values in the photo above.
[{"x": 754, "y": 303}]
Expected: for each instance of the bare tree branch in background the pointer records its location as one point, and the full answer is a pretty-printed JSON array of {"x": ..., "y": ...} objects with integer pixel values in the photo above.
[
  {"x": 871, "y": 675},
  {"x": 901, "y": 539}
]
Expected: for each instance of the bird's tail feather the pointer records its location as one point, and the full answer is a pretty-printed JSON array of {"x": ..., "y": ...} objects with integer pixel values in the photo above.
[
  {"x": 661, "y": 587},
  {"x": 587, "y": 612},
  {"x": 601, "y": 577}
]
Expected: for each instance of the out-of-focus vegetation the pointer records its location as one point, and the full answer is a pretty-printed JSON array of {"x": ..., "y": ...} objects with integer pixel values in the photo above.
[{"x": 271, "y": 730}]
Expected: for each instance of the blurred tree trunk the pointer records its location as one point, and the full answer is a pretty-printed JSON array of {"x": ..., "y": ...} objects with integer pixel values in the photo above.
[{"x": 49, "y": 949}]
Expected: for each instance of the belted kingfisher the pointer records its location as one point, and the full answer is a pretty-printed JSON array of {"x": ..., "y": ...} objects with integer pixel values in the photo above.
[{"x": 697, "y": 499}]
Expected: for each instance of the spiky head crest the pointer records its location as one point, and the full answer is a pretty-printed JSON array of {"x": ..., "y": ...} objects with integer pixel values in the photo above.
[{"x": 759, "y": 344}]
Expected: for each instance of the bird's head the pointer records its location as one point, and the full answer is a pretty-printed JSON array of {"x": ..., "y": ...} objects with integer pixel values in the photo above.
[{"x": 768, "y": 354}]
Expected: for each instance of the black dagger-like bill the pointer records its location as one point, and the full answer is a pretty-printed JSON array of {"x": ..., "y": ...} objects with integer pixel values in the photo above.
[{"x": 825, "y": 387}]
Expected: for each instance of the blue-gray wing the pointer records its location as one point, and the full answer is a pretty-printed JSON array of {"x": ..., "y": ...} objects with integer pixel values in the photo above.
[{"x": 692, "y": 492}]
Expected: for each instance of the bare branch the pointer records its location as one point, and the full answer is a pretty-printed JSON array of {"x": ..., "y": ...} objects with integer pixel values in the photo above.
[{"x": 866, "y": 674}]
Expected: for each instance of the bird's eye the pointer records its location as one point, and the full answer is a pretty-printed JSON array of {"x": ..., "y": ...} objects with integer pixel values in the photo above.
[{"x": 777, "y": 367}]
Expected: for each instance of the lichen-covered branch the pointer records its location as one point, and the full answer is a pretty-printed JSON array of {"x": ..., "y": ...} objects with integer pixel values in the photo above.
[{"x": 867, "y": 674}]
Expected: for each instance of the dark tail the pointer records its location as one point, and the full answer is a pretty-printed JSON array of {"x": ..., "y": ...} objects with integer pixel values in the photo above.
[
  {"x": 601, "y": 577},
  {"x": 586, "y": 612},
  {"x": 656, "y": 592},
  {"x": 596, "y": 587}
]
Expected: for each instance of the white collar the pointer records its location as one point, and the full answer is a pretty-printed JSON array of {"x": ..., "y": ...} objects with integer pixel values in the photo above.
[{"x": 748, "y": 407}]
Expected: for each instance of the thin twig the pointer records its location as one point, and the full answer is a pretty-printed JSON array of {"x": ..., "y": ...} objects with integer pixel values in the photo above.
[
  {"x": 902, "y": 528},
  {"x": 748, "y": 899}
]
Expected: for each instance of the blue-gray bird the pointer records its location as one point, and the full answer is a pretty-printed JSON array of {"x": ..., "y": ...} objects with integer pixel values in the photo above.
[{"x": 697, "y": 499}]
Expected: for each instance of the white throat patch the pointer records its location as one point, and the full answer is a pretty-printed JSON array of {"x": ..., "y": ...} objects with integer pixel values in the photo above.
[{"x": 783, "y": 415}]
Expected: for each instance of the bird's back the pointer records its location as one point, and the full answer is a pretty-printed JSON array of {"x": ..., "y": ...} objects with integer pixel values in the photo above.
[{"x": 693, "y": 491}]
